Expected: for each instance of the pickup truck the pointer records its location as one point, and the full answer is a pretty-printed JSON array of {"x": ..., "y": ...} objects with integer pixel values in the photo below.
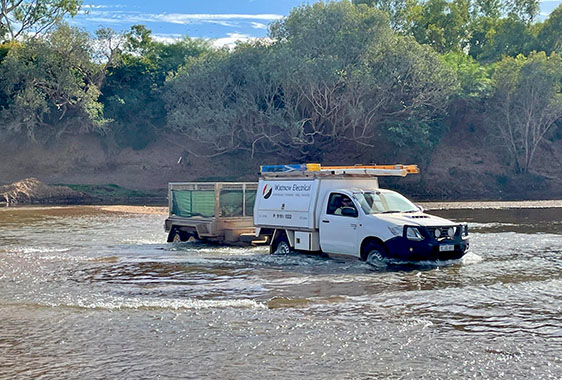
[
  {"x": 342, "y": 211},
  {"x": 336, "y": 210}
]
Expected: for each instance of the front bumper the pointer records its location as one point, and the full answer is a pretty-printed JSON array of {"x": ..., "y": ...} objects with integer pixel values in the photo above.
[{"x": 430, "y": 248}]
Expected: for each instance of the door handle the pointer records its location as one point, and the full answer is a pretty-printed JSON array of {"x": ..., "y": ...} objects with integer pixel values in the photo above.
[
  {"x": 325, "y": 221},
  {"x": 353, "y": 225}
]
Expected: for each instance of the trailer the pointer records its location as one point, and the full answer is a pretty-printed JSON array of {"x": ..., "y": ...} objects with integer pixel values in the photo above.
[
  {"x": 334, "y": 210},
  {"x": 220, "y": 212}
]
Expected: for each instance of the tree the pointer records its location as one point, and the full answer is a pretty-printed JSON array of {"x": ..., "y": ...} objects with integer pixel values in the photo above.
[
  {"x": 47, "y": 82},
  {"x": 133, "y": 84},
  {"x": 334, "y": 72},
  {"x": 223, "y": 101},
  {"x": 526, "y": 103},
  {"x": 397, "y": 10},
  {"x": 550, "y": 34},
  {"x": 442, "y": 24},
  {"x": 525, "y": 10},
  {"x": 358, "y": 79},
  {"x": 19, "y": 17},
  {"x": 509, "y": 36}
]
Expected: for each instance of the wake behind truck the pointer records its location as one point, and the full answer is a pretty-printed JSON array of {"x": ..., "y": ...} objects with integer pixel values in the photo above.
[{"x": 337, "y": 210}]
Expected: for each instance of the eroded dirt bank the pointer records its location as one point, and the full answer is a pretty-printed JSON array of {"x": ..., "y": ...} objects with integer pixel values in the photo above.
[{"x": 462, "y": 167}]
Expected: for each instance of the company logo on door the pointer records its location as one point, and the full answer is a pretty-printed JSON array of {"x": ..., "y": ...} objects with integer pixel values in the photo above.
[
  {"x": 281, "y": 191},
  {"x": 267, "y": 190},
  {"x": 292, "y": 187}
]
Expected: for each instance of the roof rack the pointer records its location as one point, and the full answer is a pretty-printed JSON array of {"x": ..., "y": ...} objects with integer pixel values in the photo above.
[{"x": 307, "y": 170}]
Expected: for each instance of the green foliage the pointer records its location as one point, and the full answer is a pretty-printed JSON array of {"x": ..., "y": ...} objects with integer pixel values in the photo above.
[
  {"x": 550, "y": 34},
  {"x": 474, "y": 78},
  {"x": 526, "y": 10},
  {"x": 19, "y": 17},
  {"x": 526, "y": 103},
  {"x": 334, "y": 72},
  {"x": 397, "y": 10},
  {"x": 5, "y": 49},
  {"x": 132, "y": 88},
  {"x": 488, "y": 29},
  {"x": 49, "y": 81},
  {"x": 111, "y": 193},
  {"x": 506, "y": 37},
  {"x": 442, "y": 24},
  {"x": 364, "y": 72}
]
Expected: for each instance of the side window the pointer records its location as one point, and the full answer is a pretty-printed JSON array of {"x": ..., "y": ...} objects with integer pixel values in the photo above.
[{"x": 338, "y": 202}]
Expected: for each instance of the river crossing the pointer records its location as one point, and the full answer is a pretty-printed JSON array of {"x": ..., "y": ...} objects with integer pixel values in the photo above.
[{"x": 90, "y": 292}]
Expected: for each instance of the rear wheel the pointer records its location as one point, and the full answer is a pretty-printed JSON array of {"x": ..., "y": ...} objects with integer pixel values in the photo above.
[{"x": 281, "y": 246}]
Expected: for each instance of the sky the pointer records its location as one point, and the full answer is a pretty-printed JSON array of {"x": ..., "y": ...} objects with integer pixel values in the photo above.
[{"x": 223, "y": 21}]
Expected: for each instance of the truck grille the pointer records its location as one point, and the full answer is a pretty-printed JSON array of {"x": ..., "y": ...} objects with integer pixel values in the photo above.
[{"x": 443, "y": 232}]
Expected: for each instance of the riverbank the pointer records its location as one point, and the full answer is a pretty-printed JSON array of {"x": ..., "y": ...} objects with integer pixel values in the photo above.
[
  {"x": 459, "y": 168},
  {"x": 31, "y": 191},
  {"x": 428, "y": 206}
]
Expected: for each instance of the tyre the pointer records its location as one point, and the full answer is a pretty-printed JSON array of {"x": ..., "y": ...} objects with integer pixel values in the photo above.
[
  {"x": 375, "y": 254},
  {"x": 178, "y": 236},
  {"x": 281, "y": 246}
]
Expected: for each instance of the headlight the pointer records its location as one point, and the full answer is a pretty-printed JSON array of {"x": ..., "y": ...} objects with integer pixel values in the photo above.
[
  {"x": 451, "y": 232},
  {"x": 437, "y": 233},
  {"x": 412, "y": 233},
  {"x": 395, "y": 230}
]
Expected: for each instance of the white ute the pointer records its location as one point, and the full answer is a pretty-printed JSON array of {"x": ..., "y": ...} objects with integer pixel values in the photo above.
[{"x": 341, "y": 210}]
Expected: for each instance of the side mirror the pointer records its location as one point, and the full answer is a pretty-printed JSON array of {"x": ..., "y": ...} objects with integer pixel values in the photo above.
[
  {"x": 349, "y": 211},
  {"x": 420, "y": 208}
]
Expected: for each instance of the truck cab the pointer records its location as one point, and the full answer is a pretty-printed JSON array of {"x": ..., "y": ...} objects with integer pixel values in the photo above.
[
  {"x": 342, "y": 211},
  {"x": 373, "y": 224}
]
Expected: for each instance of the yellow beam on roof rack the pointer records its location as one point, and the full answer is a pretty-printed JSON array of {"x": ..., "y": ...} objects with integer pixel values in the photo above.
[
  {"x": 355, "y": 170},
  {"x": 410, "y": 169}
]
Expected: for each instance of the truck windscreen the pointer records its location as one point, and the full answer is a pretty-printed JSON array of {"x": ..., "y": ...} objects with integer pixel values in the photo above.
[{"x": 378, "y": 202}]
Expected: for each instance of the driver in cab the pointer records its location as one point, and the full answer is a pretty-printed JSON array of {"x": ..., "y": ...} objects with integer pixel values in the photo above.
[{"x": 346, "y": 202}]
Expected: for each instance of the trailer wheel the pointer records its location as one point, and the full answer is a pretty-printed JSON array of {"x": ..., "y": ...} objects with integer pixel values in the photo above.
[
  {"x": 375, "y": 254},
  {"x": 177, "y": 236}
]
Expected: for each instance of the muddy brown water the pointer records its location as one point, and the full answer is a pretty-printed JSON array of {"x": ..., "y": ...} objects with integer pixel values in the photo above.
[{"x": 87, "y": 293}]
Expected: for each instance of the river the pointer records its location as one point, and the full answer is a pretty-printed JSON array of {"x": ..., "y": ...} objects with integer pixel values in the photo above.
[{"x": 90, "y": 292}]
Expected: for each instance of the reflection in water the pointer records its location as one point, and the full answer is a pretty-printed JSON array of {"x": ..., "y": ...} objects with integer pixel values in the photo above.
[{"x": 87, "y": 293}]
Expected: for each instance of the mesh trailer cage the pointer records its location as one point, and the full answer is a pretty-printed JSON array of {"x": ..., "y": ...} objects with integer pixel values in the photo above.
[{"x": 210, "y": 200}]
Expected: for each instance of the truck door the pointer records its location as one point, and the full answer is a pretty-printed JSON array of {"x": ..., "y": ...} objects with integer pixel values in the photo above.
[{"x": 338, "y": 225}]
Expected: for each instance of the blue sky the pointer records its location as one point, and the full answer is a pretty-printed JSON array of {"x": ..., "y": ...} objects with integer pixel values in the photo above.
[{"x": 224, "y": 21}]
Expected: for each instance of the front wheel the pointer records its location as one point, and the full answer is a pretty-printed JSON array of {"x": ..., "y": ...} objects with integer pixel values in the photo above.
[{"x": 375, "y": 254}]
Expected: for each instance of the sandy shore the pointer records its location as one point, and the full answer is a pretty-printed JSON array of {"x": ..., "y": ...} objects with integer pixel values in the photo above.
[
  {"x": 155, "y": 210},
  {"x": 493, "y": 205},
  {"x": 428, "y": 206}
]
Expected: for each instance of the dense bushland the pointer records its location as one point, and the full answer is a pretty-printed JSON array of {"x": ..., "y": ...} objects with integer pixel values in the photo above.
[{"x": 367, "y": 73}]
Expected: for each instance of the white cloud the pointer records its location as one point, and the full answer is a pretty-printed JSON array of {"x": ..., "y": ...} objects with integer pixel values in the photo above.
[
  {"x": 224, "y": 23},
  {"x": 175, "y": 18},
  {"x": 231, "y": 40},
  {"x": 258, "y": 25},
  {"x": 190, "y": 17},
  {"x": 168, "y": 38},
  {"x": 93, "y": 6}
]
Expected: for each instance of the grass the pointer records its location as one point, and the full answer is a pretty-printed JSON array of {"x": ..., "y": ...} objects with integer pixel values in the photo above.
[{"x": 111, "y": 193}]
